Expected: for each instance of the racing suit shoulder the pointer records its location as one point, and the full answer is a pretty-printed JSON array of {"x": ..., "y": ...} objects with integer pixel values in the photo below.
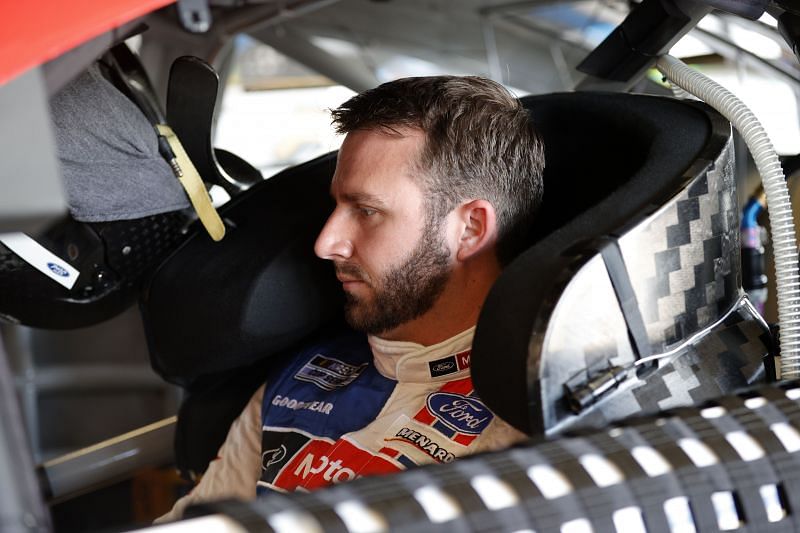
[{"x": 236, "y": 469}]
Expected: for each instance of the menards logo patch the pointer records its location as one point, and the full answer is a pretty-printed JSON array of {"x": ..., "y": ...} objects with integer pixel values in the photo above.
[{"x": 424, "y": 443}]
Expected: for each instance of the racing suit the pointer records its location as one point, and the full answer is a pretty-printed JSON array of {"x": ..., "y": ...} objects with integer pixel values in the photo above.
[{"x": 351, "y": 407}]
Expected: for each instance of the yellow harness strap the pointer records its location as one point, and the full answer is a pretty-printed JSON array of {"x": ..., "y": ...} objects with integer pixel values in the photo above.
[{"x": 193, "y": 185}]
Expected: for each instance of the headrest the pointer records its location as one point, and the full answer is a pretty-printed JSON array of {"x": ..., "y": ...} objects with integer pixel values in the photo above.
[{"x": 596, "y": 144}]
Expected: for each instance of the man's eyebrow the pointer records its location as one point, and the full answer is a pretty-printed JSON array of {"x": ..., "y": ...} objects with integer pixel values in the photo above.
[{"x": 362, "y": 198}]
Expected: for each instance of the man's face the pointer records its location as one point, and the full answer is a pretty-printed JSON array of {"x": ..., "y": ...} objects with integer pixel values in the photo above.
[{"x": 392, "y": 264}]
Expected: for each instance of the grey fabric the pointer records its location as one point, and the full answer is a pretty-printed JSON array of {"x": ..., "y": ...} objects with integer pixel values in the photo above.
[{"x": 109, "y": 154}]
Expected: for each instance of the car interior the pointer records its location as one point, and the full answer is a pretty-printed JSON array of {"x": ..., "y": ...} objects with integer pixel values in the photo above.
[{"x": 600, "y": 323}]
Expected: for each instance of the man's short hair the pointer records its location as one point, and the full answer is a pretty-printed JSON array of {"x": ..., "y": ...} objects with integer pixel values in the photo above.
[{"x": 479, "y": 143}]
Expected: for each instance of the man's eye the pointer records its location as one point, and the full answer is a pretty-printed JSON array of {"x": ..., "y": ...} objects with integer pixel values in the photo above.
[{"x": 366, "y": 211}]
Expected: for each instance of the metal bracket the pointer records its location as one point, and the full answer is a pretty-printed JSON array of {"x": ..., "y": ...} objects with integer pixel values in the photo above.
[
  {"x": 582, "y": 394},
  {"x": 750, "y": 9},
  {"x": 195, "y": 15}
]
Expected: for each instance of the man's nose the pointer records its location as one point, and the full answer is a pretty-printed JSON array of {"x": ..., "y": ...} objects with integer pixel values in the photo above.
[{"x": 333, "y": 241}]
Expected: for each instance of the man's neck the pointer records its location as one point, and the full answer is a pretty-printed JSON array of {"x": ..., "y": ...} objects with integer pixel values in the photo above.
[
  {"x": 429, "y": 329},
  {"x": 456, "y": 310}
]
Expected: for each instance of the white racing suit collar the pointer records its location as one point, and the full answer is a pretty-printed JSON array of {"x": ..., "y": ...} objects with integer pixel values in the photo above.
[{"x": 409, "y": 362}]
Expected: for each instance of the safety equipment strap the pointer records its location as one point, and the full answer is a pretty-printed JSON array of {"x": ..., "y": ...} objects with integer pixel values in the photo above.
[{"x": 193, "y": 185}]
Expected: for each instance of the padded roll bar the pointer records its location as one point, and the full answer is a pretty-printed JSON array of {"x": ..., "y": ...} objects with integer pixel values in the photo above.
[
  {"x": 733, "y": 463},
  {"x": 108, "y": 461}
]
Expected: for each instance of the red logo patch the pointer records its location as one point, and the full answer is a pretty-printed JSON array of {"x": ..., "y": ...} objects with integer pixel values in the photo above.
[
  {"x": 321, "y": 463},
  {"x": 463, "y": 359}
]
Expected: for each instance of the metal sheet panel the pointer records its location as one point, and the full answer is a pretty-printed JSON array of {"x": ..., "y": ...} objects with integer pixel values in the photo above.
[{"x": 683, "y": 261}]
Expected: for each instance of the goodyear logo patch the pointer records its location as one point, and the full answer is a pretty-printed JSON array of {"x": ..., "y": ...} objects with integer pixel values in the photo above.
[
  {"x": 290, "y": 403},
  {"x": 462, "y": 413},
  {"x": 328, "y": 373}
]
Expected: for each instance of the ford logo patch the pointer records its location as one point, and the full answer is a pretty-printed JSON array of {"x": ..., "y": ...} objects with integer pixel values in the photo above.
[
  {"x": 445, "y": 366},
  {"x": 461, "y": 413},
  {"x": 58, "y": 270}
]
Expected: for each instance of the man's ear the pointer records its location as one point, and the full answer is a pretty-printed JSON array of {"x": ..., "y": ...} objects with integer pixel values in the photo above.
[{"x": 478, "y": 228}]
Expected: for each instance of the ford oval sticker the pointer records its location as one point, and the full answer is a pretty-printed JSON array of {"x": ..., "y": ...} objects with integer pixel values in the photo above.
[
  {"x": 461, "y": 413},
  {"x": 58, "y": 270}
]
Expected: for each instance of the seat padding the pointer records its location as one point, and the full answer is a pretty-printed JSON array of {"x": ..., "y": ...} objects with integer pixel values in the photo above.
[{"x": 212, "y": 307}]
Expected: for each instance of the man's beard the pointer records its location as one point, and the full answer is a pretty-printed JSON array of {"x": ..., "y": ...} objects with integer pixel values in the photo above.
[{"x": 405, "y": 292}]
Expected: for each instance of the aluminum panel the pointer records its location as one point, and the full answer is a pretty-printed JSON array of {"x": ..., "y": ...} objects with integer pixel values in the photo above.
[{"x": 683, "y": 261}]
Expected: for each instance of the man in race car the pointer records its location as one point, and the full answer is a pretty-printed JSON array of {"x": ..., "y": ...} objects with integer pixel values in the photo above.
[{"x": 436, "y": 183}]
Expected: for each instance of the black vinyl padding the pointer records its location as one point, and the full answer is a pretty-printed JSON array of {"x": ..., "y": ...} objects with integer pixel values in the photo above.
[
  {"x": 219, "y": 316},
  {"x": 611, "y": 159},
  {"x": 212, "y": 307},
  {"x": 213, "y": 401}
]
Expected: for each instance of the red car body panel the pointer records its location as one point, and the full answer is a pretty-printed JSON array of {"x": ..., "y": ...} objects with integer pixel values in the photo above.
[{"x": 34, "y": 32}]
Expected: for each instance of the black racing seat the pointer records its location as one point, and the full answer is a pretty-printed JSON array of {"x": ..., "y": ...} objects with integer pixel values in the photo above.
[
  {"x": 113, "y": 254},
  {"x": 635, "y": 255},
  {"x": 634, "y": 147},
  {"x": 218, "y": 315}
]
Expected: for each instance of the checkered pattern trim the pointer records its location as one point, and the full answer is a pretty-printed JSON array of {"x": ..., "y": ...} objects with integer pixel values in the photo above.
[{"x": 684, "y": 262}]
